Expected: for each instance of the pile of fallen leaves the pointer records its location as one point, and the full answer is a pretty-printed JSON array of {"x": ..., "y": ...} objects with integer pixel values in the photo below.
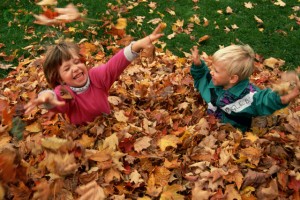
[{"x": 158, "y": 143}]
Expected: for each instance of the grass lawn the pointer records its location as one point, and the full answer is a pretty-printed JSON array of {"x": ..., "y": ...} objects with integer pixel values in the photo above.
[{"x": 224, "y": 21}]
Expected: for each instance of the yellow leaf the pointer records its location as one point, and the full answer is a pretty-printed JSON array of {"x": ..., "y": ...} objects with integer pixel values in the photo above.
[
  {"x": 47, "y": 2},
  {"x": 234, "y": 26},
  {"x": 121, "y": 23},
  {"x": 248, "y": 5},
  {"x": 86, "y": 141},
  {"x": 120, "y": 116},
  {"x": 168, "y": 141},
  {"x": 112, "y": 174},
  {"x": 171, "y": 12},
  {"x": 152, "y": 190},
  {"x": 35, "y": 127},
  {"x": 53, "y": 143},
  {"x": 280, "y": 3},
  {"x": 171, "y": 192},
  {"x": 273, "y": 62},
  {"x": 252, "y": 154},
  {"x": 229, "y": 10},
  {"x": 250, "y": 136},
  {"x": 111, "y": 142},
  {"x": 162, "y": 176},
  {"x": 258, "y": 20}
]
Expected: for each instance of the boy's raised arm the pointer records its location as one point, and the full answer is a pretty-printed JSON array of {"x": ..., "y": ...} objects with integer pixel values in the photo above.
[
  {"x": 285, "y": 99},
  {"x": 195, "y": 56}
]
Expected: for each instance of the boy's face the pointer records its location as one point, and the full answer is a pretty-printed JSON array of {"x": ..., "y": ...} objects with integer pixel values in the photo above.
[
  {"x": 220, "y": 76},
  {"x": 73, "y": 72}
]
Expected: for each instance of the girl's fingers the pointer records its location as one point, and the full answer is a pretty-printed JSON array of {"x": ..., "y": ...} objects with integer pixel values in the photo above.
[{"x": 157, "y": 29}]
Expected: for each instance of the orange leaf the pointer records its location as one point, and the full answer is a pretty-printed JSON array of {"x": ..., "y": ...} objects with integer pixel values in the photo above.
[{"x": 50, "y": 14}]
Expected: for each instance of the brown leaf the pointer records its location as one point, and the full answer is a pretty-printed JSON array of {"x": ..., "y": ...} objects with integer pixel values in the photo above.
[
  {"x": 171, "y": 192},
  {"x": 253, "y": 178},
  {"x": 152, "y": 189},
  {"x": 91, "y": 191},
  {"x": 20, "y": 192},
  {"x": 252, "y": 154},
  {"x": 7, "y": 165},
  {"x": 232, "y": 193},
  {"x": 42, "y": 191},
  {"x": 270, "y": 192}
]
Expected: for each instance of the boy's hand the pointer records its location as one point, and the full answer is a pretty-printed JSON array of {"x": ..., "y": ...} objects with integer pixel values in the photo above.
[
  {"x": 285, "y": 99},
  {"x": 45, "y": 98},
  {"x": 195, "y": 56}
]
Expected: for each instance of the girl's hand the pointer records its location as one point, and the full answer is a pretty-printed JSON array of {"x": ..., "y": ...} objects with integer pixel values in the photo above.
[
  {"x": 146, "y": 42},
  {"x": 156, "y": 34},
  {"x": 195, "y": 56},
  {"x": 45, "y": 98}
]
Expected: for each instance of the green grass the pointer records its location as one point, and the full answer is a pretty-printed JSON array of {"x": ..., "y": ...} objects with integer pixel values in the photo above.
[{"x": 279, "y": 38}]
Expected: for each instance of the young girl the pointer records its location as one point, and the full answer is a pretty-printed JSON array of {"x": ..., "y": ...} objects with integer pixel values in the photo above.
[
  {"x": 64, "y": 70},
  {"x": 227, "y": 90}
]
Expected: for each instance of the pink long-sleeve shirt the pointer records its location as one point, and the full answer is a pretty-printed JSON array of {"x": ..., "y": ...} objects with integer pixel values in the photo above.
[{"x": 86, "y": 106}]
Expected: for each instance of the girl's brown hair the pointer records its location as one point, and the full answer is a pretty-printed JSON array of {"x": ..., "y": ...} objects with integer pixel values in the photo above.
[{"x": 54, "y": 58}]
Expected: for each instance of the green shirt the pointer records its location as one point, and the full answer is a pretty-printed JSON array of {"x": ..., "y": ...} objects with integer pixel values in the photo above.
[{"x": 239, "y": 103}]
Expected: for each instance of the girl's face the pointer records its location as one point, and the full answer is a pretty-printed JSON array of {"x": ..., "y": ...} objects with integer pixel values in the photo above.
[
  {"x": 220, "y": 76},
  {"x": 73, "y": 72}
]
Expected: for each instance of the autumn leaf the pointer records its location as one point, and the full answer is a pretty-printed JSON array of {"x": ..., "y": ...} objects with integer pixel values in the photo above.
[
  {"x": 229, "y": 10},
  {"x": 42, "y": 191},
  {"x": 2, "y": 192},
  {"x": 121, "y": 23},
  {"x": 280, "y": 3},
  {"x": 232, "y": 193},
  {"x": 120, "y": 116},
  {"x": 47, "y": 2},
  {"x": 248, "y": 5},
  {"x": 136, "y": 177},
  {"x": 270, "y": 192},
  {"x": 199, "y": 192},
  {"x": 253, "y": 178},
  {"x": 203, "y": 38},
  {"x": 126, "y": 145},
  {"x": 152, "y": 189},
  {"x": 34, "y": 127},
  {"x": 168, "y": 141},
  {"x": 60, "y": 15},
  {"x": 258, "y": 20},
  {"x": 7, "y": 164},
  {"x": 171, "y": 192},
  {"x": 91, "y": 191},
  {"x": 142, "y": 143},
  {"x": 17, "y": 128},
  {"x": 252, "y": 154},
  {"x": 53, "y": 143},
  {"x": 112, "y": 175}
]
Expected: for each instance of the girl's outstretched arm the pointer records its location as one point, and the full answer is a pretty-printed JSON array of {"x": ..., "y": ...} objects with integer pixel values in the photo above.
[
  {"x": 147, "y": 41},
  {"x": 45, "y": 97}
]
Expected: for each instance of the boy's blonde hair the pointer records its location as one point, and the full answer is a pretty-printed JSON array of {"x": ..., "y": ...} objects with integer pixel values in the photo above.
[
  {"x": 237, "y": 59},
  {"x": 54, "y": 58}
]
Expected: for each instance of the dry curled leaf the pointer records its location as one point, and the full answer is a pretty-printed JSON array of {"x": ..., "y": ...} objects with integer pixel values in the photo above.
[{"x": 90, "y": 191}]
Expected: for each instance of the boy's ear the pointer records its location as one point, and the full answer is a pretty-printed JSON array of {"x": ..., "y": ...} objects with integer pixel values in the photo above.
[{"x": 234, "y": 79}]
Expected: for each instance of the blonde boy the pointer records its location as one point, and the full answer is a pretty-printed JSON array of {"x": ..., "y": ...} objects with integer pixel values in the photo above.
[{"x": 227, "y": 90}]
